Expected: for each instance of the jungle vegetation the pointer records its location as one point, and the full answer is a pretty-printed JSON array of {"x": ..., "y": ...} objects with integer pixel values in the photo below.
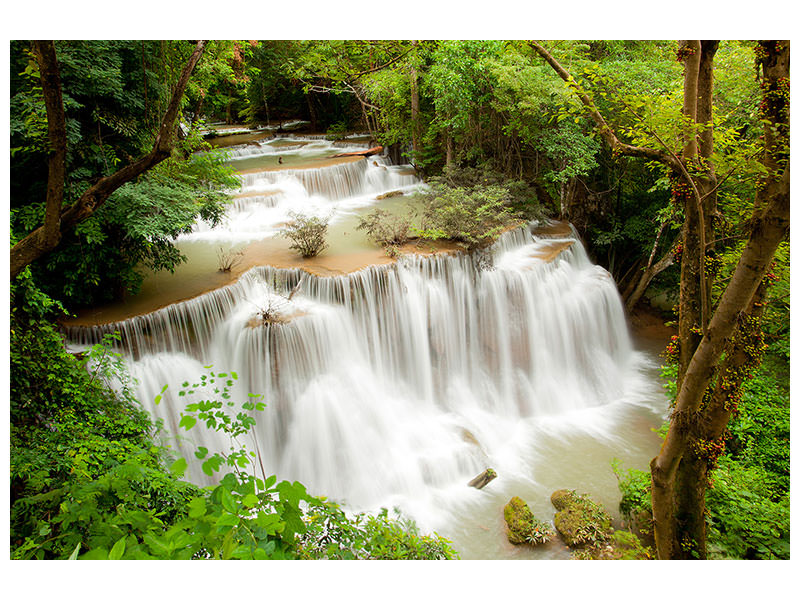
[{"x": 670, "y": 158}]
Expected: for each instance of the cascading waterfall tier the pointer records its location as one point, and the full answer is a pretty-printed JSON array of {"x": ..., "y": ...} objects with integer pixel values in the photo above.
[
  {"x": 268, "y": 199},
  {"x": 335, "y": 182},
  {"x": 394, "y": 384}
]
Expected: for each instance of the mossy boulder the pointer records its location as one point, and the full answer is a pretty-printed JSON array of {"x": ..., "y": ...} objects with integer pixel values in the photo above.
[
  {"x": 522, "y": 526},
  {"x": 579, "y": 520}
]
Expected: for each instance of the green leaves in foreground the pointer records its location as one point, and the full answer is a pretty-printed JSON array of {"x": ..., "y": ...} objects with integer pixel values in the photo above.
[{"x": 243, "y": 516}]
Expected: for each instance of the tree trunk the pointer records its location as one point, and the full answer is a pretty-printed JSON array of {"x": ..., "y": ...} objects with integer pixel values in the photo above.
[
  {"x": 644, "y": 280},
  {"x": 696, "y": 283},
  {"x": 676, "y": 510},
  {"x": 449, "y": 156},
  {"x": 415, "y": 119},
  {"x": 312, "y": 111},
  {"x": 57, "y": 137}
]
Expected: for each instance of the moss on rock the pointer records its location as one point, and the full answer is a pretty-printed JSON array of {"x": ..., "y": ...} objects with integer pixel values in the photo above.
[
  {"x": 579, "y": 520},
  {"x": 561, "y": 499},
  {"x": 522, "y": 526}
]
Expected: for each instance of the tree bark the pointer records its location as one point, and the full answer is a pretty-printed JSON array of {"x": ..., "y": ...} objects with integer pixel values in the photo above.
[
  {"x": 449, "y": 150},
  {"x": 57, "y": 220},
  {"x": 415, "y": 119},
  {"x": 674, "y": 525},
  {"x": 57, "y": 137},
  {"x": 645, "y": 278}
]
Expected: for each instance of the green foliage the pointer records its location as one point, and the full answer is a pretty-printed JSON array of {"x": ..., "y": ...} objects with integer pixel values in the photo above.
[
  {"x": 114, "y": 94},
  {"x": 473, "y": 206},
  {"x": 331, "y": 534},
  {"x": 745, "y": 520},
  {"x": 306, "y": 233},
  {"x": 760, "y": 431},
  {"x": 88, "y": 482},
  {"x": 385, "y": 229},
  {"x": 472, "y": 216},
  {"x": 748, "y": 501},
  {"x": 634, "y": 485},
  {"x": 77, "y": 449},
  {"x": 337, "y": 131},
  {"x": 135, "y": 228}
]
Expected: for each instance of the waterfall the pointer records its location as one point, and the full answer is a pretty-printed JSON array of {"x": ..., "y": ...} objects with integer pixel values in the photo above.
[
  {"x": 394, "y": 379},
  {"x": 396, "y": 384},
  {"x": 358, "y": 178},
  {"x": 268, "y": 198}
]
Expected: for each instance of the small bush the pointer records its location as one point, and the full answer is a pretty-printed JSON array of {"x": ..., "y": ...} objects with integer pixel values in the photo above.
[
  {"x": 472, "y": 216},
  {"x": 228, "y": 259},
  {"x": 307, "y": 234},
  {"x": 384, "y": 228},
  {"x": 337, "y": 131}
]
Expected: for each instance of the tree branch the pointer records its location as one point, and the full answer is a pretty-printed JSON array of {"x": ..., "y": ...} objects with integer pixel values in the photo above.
[{"x": 618, "y": 147}]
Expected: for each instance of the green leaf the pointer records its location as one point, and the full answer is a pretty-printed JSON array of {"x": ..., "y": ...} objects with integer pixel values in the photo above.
[
  {"x": 187, "y": 422},
  {"x": 157, "y": 547},
  {"x": 117, "y": 550},
  {"x": 178, "y": 468},
  {"x": 242, "y": 552},
  {"x": 95, "y": 554},
  {"x": 201, "y": 452},
  {"x": 74, "y": 555},
  {"x": 197, "y": 507},
  {"x": 250, "y": 500},
  {"x": 157, "y": 400},
  {"x": 228, "y": 520},
  {"x": 228, "y": 503},
  {"x": 271, "y": 522}
]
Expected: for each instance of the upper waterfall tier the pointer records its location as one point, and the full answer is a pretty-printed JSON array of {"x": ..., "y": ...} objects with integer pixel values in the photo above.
[{"x": 355, "y": 177}]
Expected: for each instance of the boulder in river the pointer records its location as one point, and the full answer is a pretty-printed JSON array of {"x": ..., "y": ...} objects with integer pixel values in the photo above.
[
  {"x": 579, "y": 520},
  {"x": 522, "y": 527}
]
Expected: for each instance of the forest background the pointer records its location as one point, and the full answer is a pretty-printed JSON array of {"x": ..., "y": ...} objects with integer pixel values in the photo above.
[{"x": 608, "y": 240}]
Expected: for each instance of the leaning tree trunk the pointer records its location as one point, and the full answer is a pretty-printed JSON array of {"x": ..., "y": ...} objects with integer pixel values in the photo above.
[
  {"x": 696, "y": 281},
  {"x": 647, "y": 275},
  {"x": 680, "y": 471}
]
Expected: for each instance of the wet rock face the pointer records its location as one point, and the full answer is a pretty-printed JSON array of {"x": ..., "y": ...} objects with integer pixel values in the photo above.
[
  {"x": 579, "y": 520},
  {"x": 522, "y": 526}
]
